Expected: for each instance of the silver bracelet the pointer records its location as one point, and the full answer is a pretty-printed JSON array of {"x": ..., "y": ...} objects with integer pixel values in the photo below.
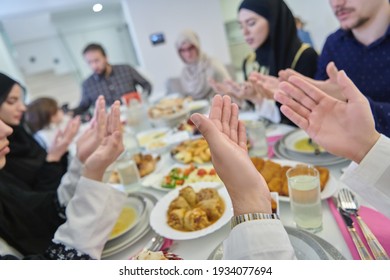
[{"x": 235, "y": 220}]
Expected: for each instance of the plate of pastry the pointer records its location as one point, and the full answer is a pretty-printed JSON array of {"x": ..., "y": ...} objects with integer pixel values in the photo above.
[{"x": 192, "y": 211}]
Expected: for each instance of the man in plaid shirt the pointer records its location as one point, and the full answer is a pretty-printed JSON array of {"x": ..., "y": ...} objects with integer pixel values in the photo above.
[{"x": 111, "y": 81}]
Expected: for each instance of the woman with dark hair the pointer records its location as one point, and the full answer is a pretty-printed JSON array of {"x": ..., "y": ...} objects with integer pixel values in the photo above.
[
  {"x": 45, "y": 119},
  {"x": 74, "y": 221},
  {"x": 27, "y": 160},
  {"x": 269, "y": 29}
]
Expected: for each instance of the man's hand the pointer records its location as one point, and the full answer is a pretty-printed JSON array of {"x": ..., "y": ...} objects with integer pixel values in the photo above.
[
  {"x": 329, "y": 86},
  {"x": 344, "y": 128}
]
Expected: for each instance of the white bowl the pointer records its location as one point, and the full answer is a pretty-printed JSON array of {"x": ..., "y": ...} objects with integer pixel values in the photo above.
[
  {"x": 170, "y": 120},
  {"x": 137, "y": 204}
]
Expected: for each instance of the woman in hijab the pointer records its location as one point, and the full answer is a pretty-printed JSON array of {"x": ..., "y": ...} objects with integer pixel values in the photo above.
[
  {"x": 269, "y": 29},
  {"x": 35, "y": 225},
  {"x": 27, "y": 160},
  {"x": 199, "y": 67}
]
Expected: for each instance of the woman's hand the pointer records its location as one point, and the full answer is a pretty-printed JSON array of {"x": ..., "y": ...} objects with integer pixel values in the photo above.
[
  {"x": 264, "y": 85},
  {"x": 330, "y": 86},
  {"x": 108, "y": 150},
  {"x": 62, "y": 140},
  {"x": 226, "y": 137},
  {"x": 343, "y": 128},
  {"x": 93, "y": 136}
]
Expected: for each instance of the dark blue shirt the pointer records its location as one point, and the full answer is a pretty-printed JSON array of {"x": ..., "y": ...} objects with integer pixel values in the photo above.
[{"x": 367, "y": 66}]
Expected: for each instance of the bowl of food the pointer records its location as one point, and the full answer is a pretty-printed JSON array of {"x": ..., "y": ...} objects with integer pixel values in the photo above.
[
  {"x": 168, "y": 112},
  {"x": 131, "y": 214},
  {"x": 192, "y": 211}
]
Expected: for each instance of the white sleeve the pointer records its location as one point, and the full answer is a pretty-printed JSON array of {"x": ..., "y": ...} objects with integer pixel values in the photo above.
[
  {"x": 258, "y": 239},
  {"x": 370, "y": 179},
  {"x": 269, "y": 110},
  {"x": 91, "y": 215},
  {"x": 69, "y": 181}
]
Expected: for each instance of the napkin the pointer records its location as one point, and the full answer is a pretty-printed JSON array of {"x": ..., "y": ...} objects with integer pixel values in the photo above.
[
  {"x": 271, "y": 140},
  {"x": 377, "y": 222}
]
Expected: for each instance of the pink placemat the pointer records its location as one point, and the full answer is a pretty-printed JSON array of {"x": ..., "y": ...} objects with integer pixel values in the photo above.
[
  {"x": 377, "y": 222},
  {"x": 271, "y": 140}
]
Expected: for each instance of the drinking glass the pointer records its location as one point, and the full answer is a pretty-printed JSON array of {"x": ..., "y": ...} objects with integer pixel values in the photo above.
[
  {"x": 257, "y": 138},
  {"x": 127, "y": 171},
  {"x": 305, "y": 197}
]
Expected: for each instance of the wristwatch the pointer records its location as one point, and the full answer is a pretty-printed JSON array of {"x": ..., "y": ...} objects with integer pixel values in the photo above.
[{"x": 235, "y": 220}]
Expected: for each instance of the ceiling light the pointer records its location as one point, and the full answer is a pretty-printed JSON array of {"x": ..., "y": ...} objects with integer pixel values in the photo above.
[{"x": 97, "y": 7}]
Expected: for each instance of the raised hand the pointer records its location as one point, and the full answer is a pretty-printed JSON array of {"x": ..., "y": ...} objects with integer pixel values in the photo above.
[
  {"x": 109, "y": 149},
  {"x": 63, "y": 139},
  {"x": 329, "y": 86},
  {"x": 264, "y": 85},
  {"x": 226, "y": 137},
  {"x": 344, "y": 128},
  {"x": 93, "y": 136}
]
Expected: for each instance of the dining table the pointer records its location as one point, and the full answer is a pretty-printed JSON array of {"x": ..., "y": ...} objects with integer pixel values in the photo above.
[{"x": 202, "y": 248}]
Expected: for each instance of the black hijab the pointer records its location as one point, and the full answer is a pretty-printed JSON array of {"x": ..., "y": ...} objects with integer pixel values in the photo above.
[
  {"x": 279, "y": 50},
  {"x": 27, "y": 159},
  {"x": 28, "y": 219}
]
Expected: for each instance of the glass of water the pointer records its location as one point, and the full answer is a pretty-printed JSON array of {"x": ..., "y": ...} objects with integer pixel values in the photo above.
[
  {"x": 305, "y": 197},
  {"x": 257, "y": 138},
  {"x": 126, "y": 173}
]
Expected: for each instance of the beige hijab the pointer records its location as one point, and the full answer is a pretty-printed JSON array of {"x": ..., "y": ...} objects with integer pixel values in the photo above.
[{"x": 195, "y": 76}]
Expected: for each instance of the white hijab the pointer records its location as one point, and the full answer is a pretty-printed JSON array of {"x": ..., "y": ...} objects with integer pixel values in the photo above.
[{"x": 195, "y": 76}]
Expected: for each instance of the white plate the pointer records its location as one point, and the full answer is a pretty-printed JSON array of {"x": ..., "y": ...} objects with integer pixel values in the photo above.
[
  {"x": 290, "y": 140},
  {"x": 121, "y": 243},
  {"x": 198, "y": 106},
  {"x": 155, "y": 180},
  {"x": 330, "y": 188},
  {"x": 306, "y": 246},
  {"x": 158, "y": 217},
  {"x": 139, "y": 205},
  {"x": 146, "y": 137},
  {"x": 324, "y": 159}
]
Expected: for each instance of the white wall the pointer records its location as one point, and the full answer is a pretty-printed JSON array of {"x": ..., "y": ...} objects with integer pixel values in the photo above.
[
  {"x": 7, "y": 63},
  {"x": 316, "y": 13},
  {"x": 319, "y": 18},
  {"x": 170, "y": 17},
  {"x": 36, "y": 36},
  {"x": 107, "y": 28}
]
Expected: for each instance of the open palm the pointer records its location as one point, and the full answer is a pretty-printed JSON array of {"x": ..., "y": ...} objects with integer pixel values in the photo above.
[
  {"x": 226, "y": 137},
  {"x": 334, "y": 124}
]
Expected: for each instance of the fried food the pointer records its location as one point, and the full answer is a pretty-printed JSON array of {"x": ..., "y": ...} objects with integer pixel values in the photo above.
[
  {"x": 274, "y": 205},
  {"x": 176, "y": 218},
  {"x": 146, "y": 164},
  {"x": 206, "y": 193},
  {"x": 270, "y": 170},
  {"x": 167, "y": 107},
  {"x": 189, "y": 151},
  {"x": 275, "y": 175},
  {"x": 206, "y": 208},
  {"x": 179, "y": 203},
  {"x": 258, "y": 163},
  {"x": 324, "y": 176},
  {"x": 276, "y": 184},
  {"x": 213, "y": 208},
  {"x": 188, "y": 194},
  {"x": 195, "y": 219}
]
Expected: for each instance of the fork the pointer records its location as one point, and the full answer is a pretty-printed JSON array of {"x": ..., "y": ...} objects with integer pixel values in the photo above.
[
  {"x": 316, "y": 147},
  {"x": 349, "y": 204}
]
